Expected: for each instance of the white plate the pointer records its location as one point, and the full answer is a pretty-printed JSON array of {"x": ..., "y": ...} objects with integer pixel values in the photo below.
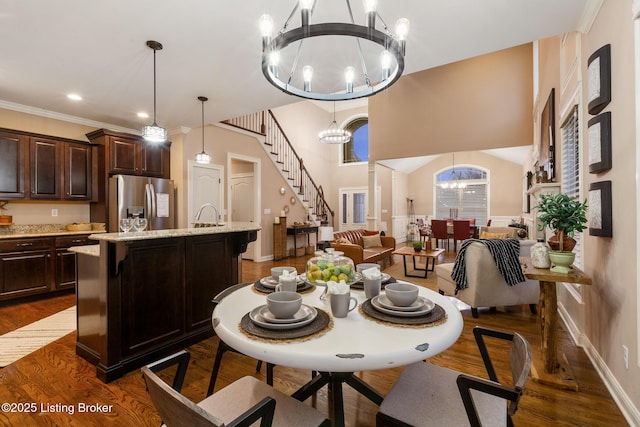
[
  {"x": 429, "y": 305},
  {"x": 301, "y": 315},
  {"x": 418, "y": 304},
  {"x": 271, "y": 283},
  {"x": 256, "y": 318}
]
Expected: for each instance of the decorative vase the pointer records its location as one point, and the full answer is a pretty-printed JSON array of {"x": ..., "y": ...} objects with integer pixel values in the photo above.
[
  {"x": 417, "y": 249},
  {"x": 562, "y": 261},
  {"x": 567, "y": 244},
  {"x": 540, "y": 255},
  {"x": 541, "y": 175}
]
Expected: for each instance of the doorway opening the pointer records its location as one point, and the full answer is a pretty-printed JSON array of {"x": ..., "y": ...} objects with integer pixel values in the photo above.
[{"x": 244, "y": 197}]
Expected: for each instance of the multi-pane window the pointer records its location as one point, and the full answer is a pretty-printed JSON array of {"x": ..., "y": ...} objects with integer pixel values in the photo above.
[
  {"x": 357, "y": 149},
  {"x": 461, "y": 192},
  {"x": 571, "y": 166}
]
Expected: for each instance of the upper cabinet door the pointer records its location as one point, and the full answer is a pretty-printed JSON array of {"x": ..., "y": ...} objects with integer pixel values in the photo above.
[
  {"x": 155, "y": 160},
  {"x": 124, "y": 156},
  {"x": 77, "y": 171},
  {"x": 46, "y": 170},
  {"x": 12, "y": 165}
]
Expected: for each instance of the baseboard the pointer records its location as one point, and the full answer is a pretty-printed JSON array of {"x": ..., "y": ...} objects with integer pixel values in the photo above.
[{"x": 625, "y": 404}]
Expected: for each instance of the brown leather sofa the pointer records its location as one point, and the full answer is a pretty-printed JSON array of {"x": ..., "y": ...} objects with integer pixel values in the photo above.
[{"x": 355, "y": 248}]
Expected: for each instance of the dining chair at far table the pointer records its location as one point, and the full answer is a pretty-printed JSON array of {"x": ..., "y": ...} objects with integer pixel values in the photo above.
[
  {"x": 241, "y": 403},
  {"x": 425, "y": 394},
  {"x": 461, "y": 231},
  {"x": 439, "y": 231},
  {"x": 223, "y": 348}
]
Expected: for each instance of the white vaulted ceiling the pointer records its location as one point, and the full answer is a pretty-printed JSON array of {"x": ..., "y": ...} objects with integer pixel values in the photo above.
[{"x": 97, "y": 49}]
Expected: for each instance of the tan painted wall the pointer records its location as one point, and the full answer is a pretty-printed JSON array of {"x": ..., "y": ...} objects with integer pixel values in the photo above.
[
  {"x": 483, "y": 102},
  {"x": 611, "y": 310},
  {"x": 505, "y": 182}
]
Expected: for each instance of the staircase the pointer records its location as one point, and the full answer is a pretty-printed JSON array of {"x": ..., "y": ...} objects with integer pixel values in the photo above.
[{"x": 288, "y": 161}]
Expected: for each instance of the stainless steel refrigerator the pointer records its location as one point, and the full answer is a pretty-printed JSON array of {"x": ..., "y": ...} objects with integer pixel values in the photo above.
[{"x": 143, "y": 197}]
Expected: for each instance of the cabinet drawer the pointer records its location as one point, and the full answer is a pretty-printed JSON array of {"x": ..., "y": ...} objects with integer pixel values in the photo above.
[
  {"x": 20, "y": 245},
  {"x": 79, "y": 240}
]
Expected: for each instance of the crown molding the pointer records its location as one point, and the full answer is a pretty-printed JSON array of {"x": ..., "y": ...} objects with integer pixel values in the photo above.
[
  {"x": 589, "y": 15},
  {"x": 64, "y": 117}
]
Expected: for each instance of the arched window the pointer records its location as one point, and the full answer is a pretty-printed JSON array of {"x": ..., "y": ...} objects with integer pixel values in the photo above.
[
  {"x": 461, "y": 192},
  {"x": 357, "y": 149}
]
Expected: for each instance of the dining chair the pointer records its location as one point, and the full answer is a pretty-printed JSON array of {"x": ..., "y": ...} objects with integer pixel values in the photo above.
[
  {"x": 425, "y": 394},
  {"x": 241, "y": 403},
  {"x": 223, "y": 347},
  {"x": 461, "y": 231},
  {"x": 439, "y": 231},
  {"x": 489, "y": 222}
]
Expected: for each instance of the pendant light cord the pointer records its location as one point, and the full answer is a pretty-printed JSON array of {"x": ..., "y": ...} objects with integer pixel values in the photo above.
[
  {"x": 154, "y": 87},
  {"x": 202, "y": 126}
]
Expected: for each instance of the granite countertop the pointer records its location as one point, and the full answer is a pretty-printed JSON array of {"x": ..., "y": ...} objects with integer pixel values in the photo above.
[
  {"x": 39, "y": 230},
  {"x": 91, "y": 250},
  {"x": 230, "y": 227}
]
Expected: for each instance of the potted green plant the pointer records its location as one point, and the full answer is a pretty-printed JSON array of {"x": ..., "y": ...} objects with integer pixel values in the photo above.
[
  {"x": 417, "y": 246},
  {"x": 564, "y": 216}
]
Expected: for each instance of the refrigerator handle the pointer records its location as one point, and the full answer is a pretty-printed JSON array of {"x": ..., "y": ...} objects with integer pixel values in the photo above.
[{"x": 150, "y": 203}]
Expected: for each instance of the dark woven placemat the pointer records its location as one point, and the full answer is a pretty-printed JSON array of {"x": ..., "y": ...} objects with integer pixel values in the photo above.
[
  {"x": 435, "y": 317},
  {"x": 321, "y": 324},
  {"x": 304, "y": 287},
  {"x": 360, "y": 285}
]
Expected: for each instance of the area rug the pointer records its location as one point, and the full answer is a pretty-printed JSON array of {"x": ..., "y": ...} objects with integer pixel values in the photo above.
[{"x": 17, "y": 344}]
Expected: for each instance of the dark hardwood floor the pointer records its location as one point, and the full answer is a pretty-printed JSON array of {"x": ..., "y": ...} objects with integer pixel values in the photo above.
[{"x": 57, "y": 381}]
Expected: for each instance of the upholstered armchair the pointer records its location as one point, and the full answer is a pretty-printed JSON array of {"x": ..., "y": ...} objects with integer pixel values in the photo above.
[{"x": 486, "y": 286}]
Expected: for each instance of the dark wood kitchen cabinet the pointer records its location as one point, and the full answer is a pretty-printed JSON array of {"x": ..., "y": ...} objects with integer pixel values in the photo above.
[
  {"x": 38, "y": 265},
  {"x": 41, "y": 167},
  {"x": 77, "y": 171},
  {"x": 131, "y": 155},
  {"x": 25, "y": 267},
  {"x": 46, "y": 170},
  {"x": 13, "y": 148},
  {"x": 66, "y": 261}
]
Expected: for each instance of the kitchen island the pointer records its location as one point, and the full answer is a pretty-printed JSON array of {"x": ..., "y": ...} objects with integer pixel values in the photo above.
[{"x": 143, "y": 295}]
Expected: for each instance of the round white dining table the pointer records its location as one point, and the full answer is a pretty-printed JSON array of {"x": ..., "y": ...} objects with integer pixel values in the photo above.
[{"x": 355, "y": 343}]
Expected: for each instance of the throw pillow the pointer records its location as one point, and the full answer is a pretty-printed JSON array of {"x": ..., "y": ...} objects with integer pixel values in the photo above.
[
  {"x": 487, "y": 235},
  {"x": 371, "y": 241}
]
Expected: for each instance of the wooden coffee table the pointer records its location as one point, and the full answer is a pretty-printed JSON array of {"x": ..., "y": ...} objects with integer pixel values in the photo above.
[{"x": 409, "y": 251}]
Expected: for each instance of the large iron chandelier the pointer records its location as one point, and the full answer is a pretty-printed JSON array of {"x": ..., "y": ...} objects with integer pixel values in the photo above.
[
  {"x": 388, "y": 50},
  {"x": 154, "y": 133},
  {"x": 334, "y": 134}
]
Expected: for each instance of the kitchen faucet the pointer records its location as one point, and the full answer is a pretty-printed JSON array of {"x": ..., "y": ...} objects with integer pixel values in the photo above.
[{"x": 202, "y": 208}]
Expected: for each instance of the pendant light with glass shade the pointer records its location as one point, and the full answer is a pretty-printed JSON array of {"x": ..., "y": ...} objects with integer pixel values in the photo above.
[
  {"x": 203, "y": 157},
  {"x": 334, "y": 134},
  {"x": 154, "y": 133}
]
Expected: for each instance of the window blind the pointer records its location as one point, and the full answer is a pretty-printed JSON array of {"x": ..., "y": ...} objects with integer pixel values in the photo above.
[{"x": 571, "y": 167}]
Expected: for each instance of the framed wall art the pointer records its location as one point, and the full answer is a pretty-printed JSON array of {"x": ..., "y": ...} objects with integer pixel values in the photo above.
[
  {"x": 546, "y": 153},
  {"x": 599, "y": 137},
  {"x": 600, "y": 213},
  {"x": 599, "y": 72}
]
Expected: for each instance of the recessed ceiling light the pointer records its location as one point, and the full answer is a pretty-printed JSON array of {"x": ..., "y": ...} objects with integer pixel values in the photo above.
[
  {"x": 74, "y": 97},
  {"x": 143, "y": 115}
]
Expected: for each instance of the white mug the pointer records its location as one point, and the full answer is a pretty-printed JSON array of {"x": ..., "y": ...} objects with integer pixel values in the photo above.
[{"x": 341, "y": 304}]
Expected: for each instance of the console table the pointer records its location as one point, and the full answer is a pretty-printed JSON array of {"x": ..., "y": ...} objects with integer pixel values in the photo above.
[
  {"x": 304, "y": 229},
  {"x": 555, "y": 369}
]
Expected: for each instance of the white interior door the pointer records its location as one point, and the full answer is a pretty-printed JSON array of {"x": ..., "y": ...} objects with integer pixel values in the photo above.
[
  {"x": 353, "y": 208},
  {"x": 243, "y": 204},
  {"x": 206, "y": 186}
]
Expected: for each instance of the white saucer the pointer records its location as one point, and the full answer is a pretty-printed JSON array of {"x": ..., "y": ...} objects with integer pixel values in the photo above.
[
  {"x": 257, "y": 318},
  {"x": 419, "y": 303},
  {"x": 428, "y": 306},
  {"x": 300, "y": 316}
]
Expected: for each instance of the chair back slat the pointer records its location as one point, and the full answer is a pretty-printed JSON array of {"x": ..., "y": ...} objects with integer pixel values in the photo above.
[{"x": 173, "y": 407}]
